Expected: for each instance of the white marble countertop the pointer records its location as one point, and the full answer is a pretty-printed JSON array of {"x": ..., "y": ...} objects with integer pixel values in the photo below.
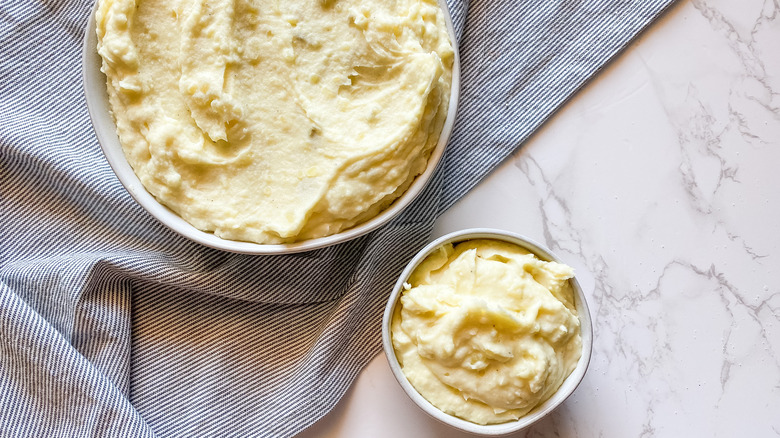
[{"x": 660, "y": 184}]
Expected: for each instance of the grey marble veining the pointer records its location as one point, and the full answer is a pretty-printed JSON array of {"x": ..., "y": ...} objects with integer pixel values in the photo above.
[{"x": 659, "y": 183}]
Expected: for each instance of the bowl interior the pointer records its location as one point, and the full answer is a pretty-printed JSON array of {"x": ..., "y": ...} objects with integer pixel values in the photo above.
[
  {"x": 105, "y": 129},
  {"x": 567, "y": 387}
]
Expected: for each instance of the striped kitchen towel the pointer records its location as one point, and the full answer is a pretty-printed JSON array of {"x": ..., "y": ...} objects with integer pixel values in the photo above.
[{"x": 111, "y": 325}]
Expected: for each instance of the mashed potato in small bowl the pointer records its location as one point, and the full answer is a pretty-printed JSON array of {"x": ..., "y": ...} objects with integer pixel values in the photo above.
[
  {"x": 263, "y": 127},
  {"x": 487, "y": 331}
]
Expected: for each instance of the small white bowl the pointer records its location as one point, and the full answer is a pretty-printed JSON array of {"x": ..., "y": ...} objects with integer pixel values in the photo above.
[
  {"x": 566, "y": 389},
  {"x": 105, "y": 129}
]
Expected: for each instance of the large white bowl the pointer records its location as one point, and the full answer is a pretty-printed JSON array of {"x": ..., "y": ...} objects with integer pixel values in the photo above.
[
  {"x": 105, "y": 129},
  {"x": 566, "y": 389}
]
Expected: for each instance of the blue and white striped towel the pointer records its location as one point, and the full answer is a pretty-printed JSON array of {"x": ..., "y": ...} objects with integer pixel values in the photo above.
[{"x": 111, "y": 325}]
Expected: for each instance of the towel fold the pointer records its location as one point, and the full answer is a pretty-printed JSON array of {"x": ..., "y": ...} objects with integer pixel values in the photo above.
[{"x": 112, "y": 325}]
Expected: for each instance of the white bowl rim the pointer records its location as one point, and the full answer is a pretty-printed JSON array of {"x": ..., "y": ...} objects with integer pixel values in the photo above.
[
  {"x": 93, "y": 82},
  {"x": 567, "y": 387}
]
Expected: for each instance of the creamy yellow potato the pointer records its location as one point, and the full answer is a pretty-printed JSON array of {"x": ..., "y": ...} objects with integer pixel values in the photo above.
[
  {"x": 486, "y": 331},
  {"x": 276, "y": 121}
]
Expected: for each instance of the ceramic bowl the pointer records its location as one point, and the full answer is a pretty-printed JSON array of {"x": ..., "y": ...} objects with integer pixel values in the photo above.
[
  {"x": 566, "y": 389},
  {"x": 105, "y": 129}
]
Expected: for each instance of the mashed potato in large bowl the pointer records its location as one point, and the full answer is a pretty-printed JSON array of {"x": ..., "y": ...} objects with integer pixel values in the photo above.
[{"x": 276, "y": 122}]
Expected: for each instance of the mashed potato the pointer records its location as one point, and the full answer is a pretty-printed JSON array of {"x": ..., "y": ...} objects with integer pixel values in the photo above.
[
  {"x": 276, "y": 121},
  {"x": 486, "y": 331}
]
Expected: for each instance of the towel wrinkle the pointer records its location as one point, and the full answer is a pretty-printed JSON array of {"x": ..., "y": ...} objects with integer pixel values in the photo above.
[{"x": 111, "y": 325}]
